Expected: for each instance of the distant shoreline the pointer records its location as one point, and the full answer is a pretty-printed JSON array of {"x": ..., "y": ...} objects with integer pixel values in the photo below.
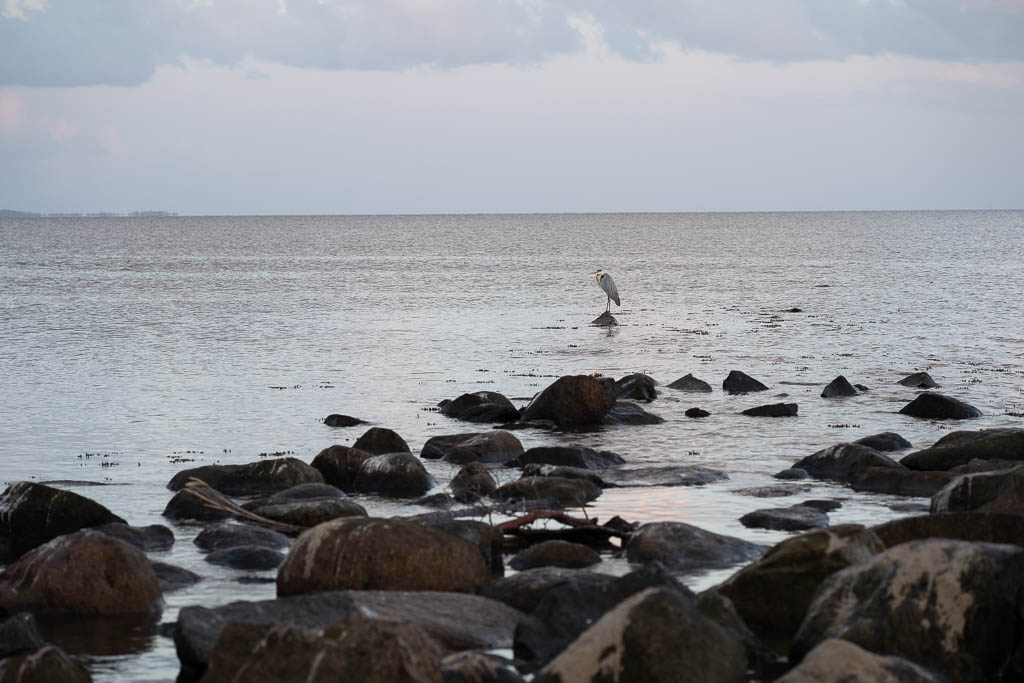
[{"x": 8, "y": 213}]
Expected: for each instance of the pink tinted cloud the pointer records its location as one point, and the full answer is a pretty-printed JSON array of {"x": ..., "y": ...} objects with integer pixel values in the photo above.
[{"x": 12, "y": 111}]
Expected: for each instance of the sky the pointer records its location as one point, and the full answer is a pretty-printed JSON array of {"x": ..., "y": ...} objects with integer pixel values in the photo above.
[{"x": 479, "y": 106}]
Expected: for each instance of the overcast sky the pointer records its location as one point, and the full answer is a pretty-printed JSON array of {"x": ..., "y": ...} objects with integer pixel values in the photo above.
[{"x": 413, "y": 106}]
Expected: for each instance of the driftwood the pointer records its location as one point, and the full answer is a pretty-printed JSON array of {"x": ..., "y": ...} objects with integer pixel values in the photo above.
[
  {"x": 556, "y": 515},
  {"x": 213, "y": 498},
  {"x": 585, "y": 531}
]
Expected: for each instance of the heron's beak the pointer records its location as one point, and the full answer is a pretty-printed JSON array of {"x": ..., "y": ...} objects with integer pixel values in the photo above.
[{"x": 594, "y": 272}]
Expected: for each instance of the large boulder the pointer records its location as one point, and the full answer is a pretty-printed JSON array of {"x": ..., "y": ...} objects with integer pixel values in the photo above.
[
  {"x": 481, "y": 406},
  {"x": 950, "y": 606},
  {"x": 792, "y": 518},
  {"x": 841, "y": 461},
  {"x": 741, "y": 383},
  {"x": 84, "y": 573},
  {"x": 393, "y": 474},
  {"x": 32, "y": 514},
  {"x": 360, "y": 553},
  {"x": 380, "y": 440},
  {"x": 487, "y": 539},
  {"x": 999, "y": 491},
  {"x": 933, "y": 406},
  {"x": 690, "y": 383},
  {"x": 339, "y": 465},
  {"x": 637, "y": 387},
  {"x": 840, "y": 661},
  {"x": 961, "y": 447},
  {"x": 555, "y": 553},
  {"x": 573, "y": 455},
  {"x": 252, "y": 479},
  {"x": 559, "y": 490},
  {"x": 989, "y": 527},
  {"x": 459, "y": 449},
  {"x": 772, "y": 594},
  {"x": 840, "y": 387},
  {"x": 658, "y": 635},
  {"x": 685, "y": 548},
  {"x": 571, "y": 401}
]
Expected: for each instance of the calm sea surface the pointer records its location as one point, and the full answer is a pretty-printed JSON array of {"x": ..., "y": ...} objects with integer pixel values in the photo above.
[{"x": 130, "y": 344}]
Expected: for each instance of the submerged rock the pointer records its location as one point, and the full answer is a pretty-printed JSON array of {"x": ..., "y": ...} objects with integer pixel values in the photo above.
[
  {"x": 671, "y": 475},
  {"x": 339, "y": 420},
  {"x": 573, "y": 455},
  {"x": 605, "y": 320},
  {"x": 565, "y": 492},
  {"x": 459, "y": 449},
  {"x": 884, "y": 442},
  {"x": 637, "y": 387},
  {"x": 793, "y": 518},
  {"x": 690, "y": 383},
  {"x": 961, "y": 447},
  {"x": 773, "y": 410},
  {"x": 379, "y": 440},
  {"x": 248, "y": 557},
  {"x": 932, "y": 406},
  {"x": 625, "y": 413},
  {"x": 686, "y": 548},
  {"x": 697, "y": 412},
  {"x": 741, "y": 383},
  {"x": 148, "y": 538},
  {"x": 841, "y": 461},
  {"x": 918, "y": 380},
  {"x": 555, "y": 553},
  {"x": 481, "y": 406},
  {"x": 900, "y": 481},
  {"x": 571, "y": 401},
  {"x": 838, "y": 388},
  {"x": 173, "y": 577}
]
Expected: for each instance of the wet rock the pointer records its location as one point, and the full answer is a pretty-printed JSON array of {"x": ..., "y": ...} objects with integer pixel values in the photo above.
[
  {"x": 637, "y": 387},
  {"x": 376, "y": 554},
  {"x": 773, "y": 410},
  {"x": 19, "y": 634},
  {"x": 525, "y": 589},
  {"x": 840, "y": 661},
  {"x": 478, "y": 667},
  {"x": 987, "y": 527},
  {"x": 247, "y": 557},
  {"x": 838, "y": 388},
  {"x": 297, "y": 493},
  {"x": 605, "y": 320},
  {"x": 339, "y": 465},
  {"x": 841, "y": 461},
  {"x": 311, "y": 511},
  {"x": 481, "y": 406},
  {"x": 566, "y": 472},
  {"x": 185, "y": 506},
  {"x": 229, "y": 534},
  {"x": 961, "y": 447},
  {"x": 658, "y": 635},
  {"x": 793, "y": 518},
  {"x": 252, "y": 479},
  {"x": 684, "y": 548},
  {"x": 932, "y": 406},
  {"x": 555, "y": 554},
  {"x": 571, "y": 401},
  {"x": 379, "y": 440},
  {"x": 947, "y": 605},
  {"x": 690, "y": 383},
  {"x": 573, "y": 455},
  {"x": 625, "y": 413},
  {"x": 975, "y": 466},
  {"x": 32, "y": 514},
  {"x": 884, "y": 442},
  {"x": 780, "y": 491},
  {"x": 493, "y": 446},
  {"x": 999, "y": 491},
  {"x": 85, "y": 573},
  {"x": 792, "y": 474},
  {"x": 49, "y": 664},
  {"x": 149, "y": 538},
  {"x": 772, "y": 594},
  {"x": 172, "y": 577},
  {"x": 900, "y": 481},
  {"x": 545, "y": 425},
  {"x": 339, "y": 420},
  {"x": 486, "y": 538},
  {"x": 918, "y": 380},
  {"x": 741, "y": 383},
  {"x": 672, "y": 475},
  {"x": 823, "y": 505},
  {"x": 393, "y": 474},
  {"x": 473, "y": 482},
  {"x": 565, "y": 492}
]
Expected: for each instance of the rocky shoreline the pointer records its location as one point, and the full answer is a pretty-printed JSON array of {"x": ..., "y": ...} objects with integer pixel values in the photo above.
[{"x": 427, "y": 597}]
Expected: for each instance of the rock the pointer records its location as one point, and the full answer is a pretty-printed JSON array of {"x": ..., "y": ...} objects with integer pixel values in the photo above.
[
  {"x": 185, "y": 506},
  {"x": 932, "y": 406},
  {"x": 690, "y": 383},
  {"x": 229, "y": 534},
  {"x": 672, "y": 475},
  {"x": 252, "y": 479},
  {"x": 481, "y": 406},
  {"x": 555, "y": 554},
  {"x": 1000, "y": 491},
  {"x": 884, "y": 442},
  {"x": 740, "y": 383},
  {"x": 148, "y": 538},
  {"x": 19, "y": 634},
  {"x": 312, "y": 511},
  {"x": 823, "y": 505},
  {"x": 571, "y": 401},
  {"x": 172, "y": 577},
  {"x": 720, "y": 610},
  {"x": 362, "y": 649},
  {"x": 605, "y": 320},
  {"x": 379, "y": 440},
  {"x": 32, "y": 514},
  {"x": 780, "y": 491},
  {"x": 247, "y": 557},
  {"x": 658, "y": 635},
  {"x": 697, "y": 412},
  {"x": 565, "y": 492},
  {"x": 637, "y": 387},
  {"x": 900, "y": 481},
  {"x": 441, "y": 501},
  {"x": 566, "y": 472},
  {"x": 49, "y": 664},
  {"x": 478, "y": 667},
  {"x": 573, "y": 455},
  {"x": 394, "y": 474},
  {"x": 85, "y": 573},
  {"x": 975, "y": 466},
  {"x": 947, "y": 605},
  {"x": 297, "y": 493},
  {"x": 839, "y": 661},
  {"x": 685, "y": 548},
  {"x": 988, "y": 527},
  {"x": 486, "y": 538},
  {"x": 338, "y": 420},
  {"x": 772, "y": 594},
  {"x": 838, "y": 388},
  {"x": 473, "y": 482},
  {"x": 918, "y": 380},
  {"x": 625, "y": 413},
  {"x": 459, "y": 449},
  {"x": 794, "y": 518},
  {"x": 961, "y": 447},
  {"x": 353, "y": 552},
  {"x": 792, "y": 474},
  {"x": 455, "y": 621},
  {"x": 339, "y": 465},
  {"x": 841, "y": 461},
  {"x": 525, "y": 589},
  {"x": 773, "y": 410}
]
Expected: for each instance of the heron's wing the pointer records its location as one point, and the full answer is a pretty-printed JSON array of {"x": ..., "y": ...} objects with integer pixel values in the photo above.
[{"x": 608, "y": 285}]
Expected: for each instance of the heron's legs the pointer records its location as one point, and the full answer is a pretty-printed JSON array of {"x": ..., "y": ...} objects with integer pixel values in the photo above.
[{"x": 608, "y": 308}]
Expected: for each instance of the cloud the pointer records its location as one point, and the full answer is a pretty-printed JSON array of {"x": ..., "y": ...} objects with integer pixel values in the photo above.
[
  {"x": 122, "y": 42},
  {"x": 12, "y": 111}
]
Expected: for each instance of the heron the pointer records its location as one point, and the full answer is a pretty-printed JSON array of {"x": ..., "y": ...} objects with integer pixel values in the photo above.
[{"x": 605, "y": 282}]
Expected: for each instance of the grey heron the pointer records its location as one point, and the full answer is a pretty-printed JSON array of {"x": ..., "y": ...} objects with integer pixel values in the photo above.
[{"x": 605, "y": 282}]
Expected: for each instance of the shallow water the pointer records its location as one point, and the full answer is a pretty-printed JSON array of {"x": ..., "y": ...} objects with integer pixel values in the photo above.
[{"x": 133, "y": 348}]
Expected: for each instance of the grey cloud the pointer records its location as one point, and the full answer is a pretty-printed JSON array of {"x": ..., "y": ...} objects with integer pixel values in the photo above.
[{"x": 121, "y": 42}]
